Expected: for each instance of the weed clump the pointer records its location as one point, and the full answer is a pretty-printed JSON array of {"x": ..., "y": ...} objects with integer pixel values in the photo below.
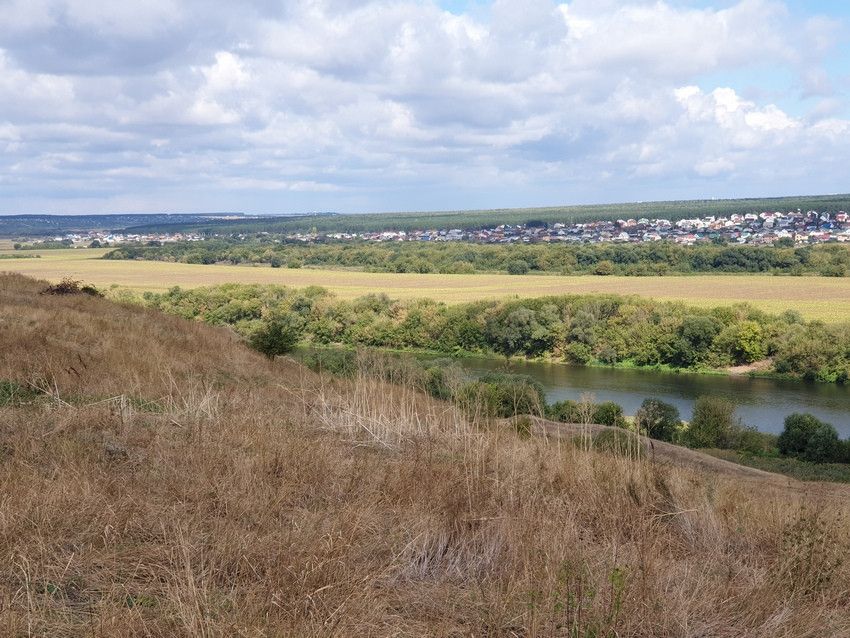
[{"x": 70, "y": 286}]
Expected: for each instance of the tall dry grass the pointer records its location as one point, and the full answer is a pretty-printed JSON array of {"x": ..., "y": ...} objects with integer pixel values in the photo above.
[{"x": 180, "y": 485}]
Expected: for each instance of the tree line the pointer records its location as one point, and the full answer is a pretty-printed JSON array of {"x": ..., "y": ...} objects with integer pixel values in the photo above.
[
  {"x": 578, "y": 329},
  {"x": 657, "y": 258}
]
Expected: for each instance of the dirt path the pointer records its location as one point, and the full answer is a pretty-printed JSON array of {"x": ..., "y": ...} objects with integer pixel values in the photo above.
[
  {"x": 757, "y": 366},
  {"x": 683, "y": 457}
]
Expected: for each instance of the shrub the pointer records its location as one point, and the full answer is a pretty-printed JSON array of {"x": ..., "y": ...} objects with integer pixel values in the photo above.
[
  {"x": 609, "y": 413},
  {"x": 578, "y": 353},
  {"x": 658, "y": 419},
  {"x": 604, "y": 267},
  {"x": 70, "y": 286},
  {"x": 807, "y": 438},
  {"x": 276, "y": 336},
  {"x": 563, "y": 411},
  {"x": 517, "y": 267},
  {"x": 439, "y": 381},
  {"x": 502, "y": 395},
  {"x": 712, "y": 423},
  {"x": 750, "y": 440}
]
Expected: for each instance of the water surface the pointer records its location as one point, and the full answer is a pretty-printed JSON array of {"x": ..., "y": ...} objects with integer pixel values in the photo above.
[{"x": 763, "y": 403}]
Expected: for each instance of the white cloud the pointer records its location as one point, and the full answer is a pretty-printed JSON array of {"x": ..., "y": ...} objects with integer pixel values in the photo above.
[{"x": 336, "y": 104}]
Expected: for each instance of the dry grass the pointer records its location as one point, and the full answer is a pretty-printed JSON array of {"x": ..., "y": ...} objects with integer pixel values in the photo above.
[
  {"x": 823, "y": 298},
  {"x": 168, "y": 482}
]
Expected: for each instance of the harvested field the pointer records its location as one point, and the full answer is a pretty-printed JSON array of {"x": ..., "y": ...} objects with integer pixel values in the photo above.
[{"x": 823, "y": 298}]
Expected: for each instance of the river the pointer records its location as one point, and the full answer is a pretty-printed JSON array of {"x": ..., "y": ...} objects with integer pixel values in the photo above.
[{"x": 763, "y": 403}]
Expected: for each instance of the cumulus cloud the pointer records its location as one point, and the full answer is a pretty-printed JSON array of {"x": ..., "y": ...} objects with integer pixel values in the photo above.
[{"x": 330, "y": 104}]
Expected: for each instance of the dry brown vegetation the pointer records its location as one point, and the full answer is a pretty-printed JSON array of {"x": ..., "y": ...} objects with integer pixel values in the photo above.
[{"x": 159, "y": 479}]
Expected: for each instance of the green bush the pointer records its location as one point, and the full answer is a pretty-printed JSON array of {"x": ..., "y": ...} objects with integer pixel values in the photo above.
[
  {"x": 609, "y": 413},
  {"x": 807, "y": 438},
  {"x": 517, "y": 267},
  {"x": 502, "y": 395},
  {"x": 659, "y": 420},
  {"x": 604, "y": 267},
  {"x": 276, "y": 336},
  {"x": 751, "y": 441},
  {"x": 563, "y": 411},
  {"x": 712, "y": 423}
]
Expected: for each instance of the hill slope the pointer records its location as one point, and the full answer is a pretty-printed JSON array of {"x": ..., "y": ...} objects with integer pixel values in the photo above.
[{"x": 159, "y": 479}]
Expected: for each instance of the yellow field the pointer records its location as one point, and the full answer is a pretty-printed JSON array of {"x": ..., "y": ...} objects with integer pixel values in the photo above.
[{"x": 823, "y": 298}]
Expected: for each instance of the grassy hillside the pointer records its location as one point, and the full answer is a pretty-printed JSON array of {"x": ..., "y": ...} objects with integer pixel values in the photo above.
[{"x": 159, "y": 479}]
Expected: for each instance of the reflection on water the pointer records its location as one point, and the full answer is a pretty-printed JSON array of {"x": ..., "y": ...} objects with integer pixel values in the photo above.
[{"x": 763, "y": 403}]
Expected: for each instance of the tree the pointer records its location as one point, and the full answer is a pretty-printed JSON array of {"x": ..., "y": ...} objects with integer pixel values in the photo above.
[
  {"x": 712, "y": 423},
  {"x": 824, "y": 446},
  {"x": 519, "y": 331},
  {"x": 516, "y": 267},
  {"x": 277, "y": 335},
  {"x": 609, "y": 413},
  {"x": 604, "y": 267},
  {"x": 808, "y": 438},
  {"x": 658, "y": 419}
]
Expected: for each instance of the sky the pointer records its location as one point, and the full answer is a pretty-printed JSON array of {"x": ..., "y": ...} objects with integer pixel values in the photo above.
[{"x": 272, "y": 106}]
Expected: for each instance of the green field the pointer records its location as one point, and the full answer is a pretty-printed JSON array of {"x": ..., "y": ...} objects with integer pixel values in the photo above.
[{"x": 824, "y": 298}]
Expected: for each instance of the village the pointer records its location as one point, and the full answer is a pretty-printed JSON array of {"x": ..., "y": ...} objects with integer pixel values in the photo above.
[
  {"x": 811, "y": 227},
  {"x": 796, "y": 228}
]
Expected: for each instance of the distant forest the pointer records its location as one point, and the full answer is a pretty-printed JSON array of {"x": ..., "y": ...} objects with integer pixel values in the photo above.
[
  {"x": 657, "y": 258},
  {"x": 12, "y": 226}
]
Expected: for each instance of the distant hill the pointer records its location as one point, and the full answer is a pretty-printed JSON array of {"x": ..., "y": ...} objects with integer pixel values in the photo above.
[{"x": 47, "y": 225}]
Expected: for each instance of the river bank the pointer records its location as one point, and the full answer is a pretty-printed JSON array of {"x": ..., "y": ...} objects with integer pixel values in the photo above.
[{"x": 762, "y": 402}]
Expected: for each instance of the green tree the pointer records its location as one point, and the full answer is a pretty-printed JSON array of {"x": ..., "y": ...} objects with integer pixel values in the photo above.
[
  {"x": 277, "y": 335},
  {"x": 712, "y": 423},
  {"x": 609, "y": 413},
  {"x": 604, "y": 267},
  {"x": 519, "y": 332},
  {"x": 659, "y": 420},
  {"x": 808, "y": 438},
  {"x": 517, "y": 267}
]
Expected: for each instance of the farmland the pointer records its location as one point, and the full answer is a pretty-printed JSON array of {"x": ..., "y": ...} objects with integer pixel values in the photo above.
[{"x": 826, "y": 299}]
